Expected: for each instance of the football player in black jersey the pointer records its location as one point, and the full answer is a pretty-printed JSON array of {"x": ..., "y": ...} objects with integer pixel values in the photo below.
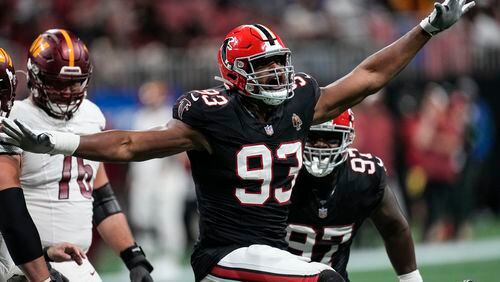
[
  {"x": 244, "y": 140},
  {"x": 336, "y": 190}
]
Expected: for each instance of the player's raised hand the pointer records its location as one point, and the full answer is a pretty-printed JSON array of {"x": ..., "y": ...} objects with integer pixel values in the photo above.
[
  {"x": 52, "y": 142},
  {"x": 65, "y": 252},
  {"x": 23, "y": 136},
  {"x": 445, "y": 15}
]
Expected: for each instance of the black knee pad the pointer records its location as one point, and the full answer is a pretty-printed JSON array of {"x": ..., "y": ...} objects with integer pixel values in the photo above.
[{"x": 330, "y": 276}]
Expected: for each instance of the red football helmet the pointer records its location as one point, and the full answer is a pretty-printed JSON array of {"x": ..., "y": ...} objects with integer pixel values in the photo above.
[
  {"x": 59, "y": 70},
  {"x": 8, "y": 83},
  {"x": 320, "y": 158},
  {"x": 245, "y": 49}
]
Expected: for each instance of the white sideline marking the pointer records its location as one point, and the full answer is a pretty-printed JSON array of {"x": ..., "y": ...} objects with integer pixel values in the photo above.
[{"x": 428, "y": 254}]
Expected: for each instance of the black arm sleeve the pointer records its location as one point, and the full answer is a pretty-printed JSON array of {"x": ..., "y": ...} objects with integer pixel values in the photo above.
[
  {"x": 17, "y": 227},
  {"x": 105, "y": 203}
]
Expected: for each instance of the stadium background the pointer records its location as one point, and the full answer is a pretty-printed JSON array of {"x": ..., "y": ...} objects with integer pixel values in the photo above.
[{"x": 133, "y": 42}]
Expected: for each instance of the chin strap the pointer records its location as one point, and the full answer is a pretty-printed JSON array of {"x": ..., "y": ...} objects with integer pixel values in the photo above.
[{"x": 226, "y": 82}]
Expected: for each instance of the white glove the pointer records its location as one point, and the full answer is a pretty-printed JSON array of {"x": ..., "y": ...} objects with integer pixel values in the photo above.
[
  {"x": 42, "y": 142},
  {"x": 445, "y": 15}
]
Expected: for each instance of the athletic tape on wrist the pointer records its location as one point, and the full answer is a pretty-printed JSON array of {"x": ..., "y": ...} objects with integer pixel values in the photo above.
[
  {"x": 64, "y": 143},
  {"x": 413, "y": 276}
]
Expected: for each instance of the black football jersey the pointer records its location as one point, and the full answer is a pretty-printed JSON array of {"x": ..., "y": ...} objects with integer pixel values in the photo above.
[
  {"x": 244, "y": 186},
  {"x": 326, "y": 212}
]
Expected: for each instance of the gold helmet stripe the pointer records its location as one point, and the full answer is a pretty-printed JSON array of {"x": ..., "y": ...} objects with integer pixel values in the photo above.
[
  {"x": 70, "y": 47},
  {"x": 7, "y": 57},
  {"x": 3, "y": 58},
  {"x": 38, "y": 46},
  {"x": 34, "y": 45}
]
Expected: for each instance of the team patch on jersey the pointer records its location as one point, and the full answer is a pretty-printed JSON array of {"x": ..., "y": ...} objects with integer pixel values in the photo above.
[
  {"x": 183, "y": 106},
  {"x": 296, "y": 122}
]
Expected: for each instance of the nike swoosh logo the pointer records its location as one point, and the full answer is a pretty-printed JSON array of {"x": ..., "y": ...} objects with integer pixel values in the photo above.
[
  {"x": 92, "y": 272},
  {"x": 194, "y": 98}
]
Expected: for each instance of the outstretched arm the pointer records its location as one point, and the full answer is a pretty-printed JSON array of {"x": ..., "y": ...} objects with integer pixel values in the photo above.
[
  {"x": 109, "y": 146},
  {"x": 116, "y": 145},
  {"x": 369, "y": 76},
  {"x": 378, "y": 69},
  {"x": 393, "y": 227}
]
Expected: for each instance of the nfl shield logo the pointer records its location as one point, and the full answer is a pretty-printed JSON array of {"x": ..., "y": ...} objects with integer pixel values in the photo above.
[
  {"x": 322, "y": 212},
  {"x": 269, "y": 130}
]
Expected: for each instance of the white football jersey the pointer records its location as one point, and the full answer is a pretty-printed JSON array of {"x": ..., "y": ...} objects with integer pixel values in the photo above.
[{"x": 57, "y": 188}]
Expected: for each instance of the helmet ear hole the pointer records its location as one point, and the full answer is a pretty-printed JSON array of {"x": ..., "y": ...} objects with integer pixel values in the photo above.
[{"x": 232, "y": 76}]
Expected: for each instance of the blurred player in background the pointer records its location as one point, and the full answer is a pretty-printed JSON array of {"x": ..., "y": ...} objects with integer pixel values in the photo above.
[
  {"x": 336, "y": 190},
  {"x": 59, "y": 190},
  {"x": 19, "y": 235},
  {"x": 244, "y": 140},
  {"x": 158, "y": 187}
]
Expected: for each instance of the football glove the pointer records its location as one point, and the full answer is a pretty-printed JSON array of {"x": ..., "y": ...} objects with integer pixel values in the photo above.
[
  {"x": 445, "y": 15},
  {"x": 135, "y": 260},
  {"x": 56, "y": 276},
  {"x": 43, "y": 142}
]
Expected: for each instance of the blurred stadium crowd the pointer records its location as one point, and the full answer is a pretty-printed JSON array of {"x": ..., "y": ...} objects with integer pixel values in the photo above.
[{"x": 435, "y": 126}]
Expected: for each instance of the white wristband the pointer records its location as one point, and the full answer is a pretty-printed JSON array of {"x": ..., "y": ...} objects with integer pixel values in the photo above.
[
  {"x": 64, "y": 142},
  {"x": 46, "y": 280},
  {"x": 425, "y": 24},
  {"x": 413, "y": 276}
]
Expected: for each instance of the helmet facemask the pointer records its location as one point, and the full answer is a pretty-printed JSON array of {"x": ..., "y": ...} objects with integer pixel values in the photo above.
[
  {"x": 59, "y": 95},
  {"x": 7, "y": 92},
  {"x": 320, "y": 160},
  {"x": 271, "y": 85}
]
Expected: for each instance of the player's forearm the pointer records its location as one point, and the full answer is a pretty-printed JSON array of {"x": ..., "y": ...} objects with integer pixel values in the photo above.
[
  {"x": 384, "y": 65},
  {"x": 114, "y": 230},
  {"x": 125, "y": 146},
  {"x": 369, "y": 76},
  {"x": 400, "y": 249},
  {"x": 20, "y": 234},
  {"x": 35, "y": 270},
  {"x": 116, "y": 233},
  {"x": 110, "y": 146}
]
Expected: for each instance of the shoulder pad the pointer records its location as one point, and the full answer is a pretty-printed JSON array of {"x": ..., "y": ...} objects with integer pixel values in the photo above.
[
  {"x": 367, "y": 174},
  {"x": 192, "y": 107},
  {"x": 367, "y": 165},
  {"x": 22, "y": 110},
  {"x": 90, "y": 109},
  {"x": 304, "y": 80}
]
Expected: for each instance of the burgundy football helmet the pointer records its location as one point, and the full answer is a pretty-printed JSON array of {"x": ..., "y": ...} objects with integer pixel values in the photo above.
[
  {"x": 336, "y": 136},
  {"x": 59, "y": 70},
  {"x": 248, "y": 47},
  {"x": 8, "y": 83}
]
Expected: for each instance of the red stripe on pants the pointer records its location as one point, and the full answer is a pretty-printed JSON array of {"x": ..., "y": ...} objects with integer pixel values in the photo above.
[{"x": 254, "y": 275}]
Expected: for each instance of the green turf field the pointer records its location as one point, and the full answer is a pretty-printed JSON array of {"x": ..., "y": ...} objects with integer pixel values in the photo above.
[
  {"x": 482, "y": 271},
  {"x": 477, "y": 260}
]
